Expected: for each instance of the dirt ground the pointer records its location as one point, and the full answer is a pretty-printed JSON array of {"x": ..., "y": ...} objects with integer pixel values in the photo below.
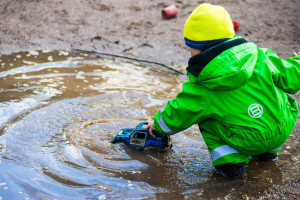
[{"x": 136, "y": 28}]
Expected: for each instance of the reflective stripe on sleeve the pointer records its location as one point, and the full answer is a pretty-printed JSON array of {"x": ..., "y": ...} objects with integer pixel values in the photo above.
[
  {"x": 278, "y": 148},
  {"x": 222, "y": 151},
  {"x": 164, "y": 126}
]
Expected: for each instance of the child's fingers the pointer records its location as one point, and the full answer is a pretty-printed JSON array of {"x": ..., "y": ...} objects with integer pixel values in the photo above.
[
  {"x": 151, "y": 131},
  {"x": 149, "y": 125},
  {"x": 296, "y": 54},
  {"x": 151, "y": 128}
]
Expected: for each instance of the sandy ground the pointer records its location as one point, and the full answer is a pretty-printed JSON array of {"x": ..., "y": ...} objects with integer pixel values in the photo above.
[{"x": 135, "y": 28}]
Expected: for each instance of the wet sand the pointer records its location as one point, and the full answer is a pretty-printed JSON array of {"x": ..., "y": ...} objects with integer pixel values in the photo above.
[{"x": 136, "y": 29}]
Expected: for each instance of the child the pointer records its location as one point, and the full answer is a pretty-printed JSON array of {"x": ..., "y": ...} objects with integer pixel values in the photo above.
[{"x": 236, "y": 92}]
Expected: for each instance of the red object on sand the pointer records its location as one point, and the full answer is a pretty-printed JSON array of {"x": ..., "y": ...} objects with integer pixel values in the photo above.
[
  {"x": 169, "y": 12},
  {"x": 236, "y": 25}
]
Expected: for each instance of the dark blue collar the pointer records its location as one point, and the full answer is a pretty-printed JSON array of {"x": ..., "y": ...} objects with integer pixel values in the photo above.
[{"x": 197, "y": 63}]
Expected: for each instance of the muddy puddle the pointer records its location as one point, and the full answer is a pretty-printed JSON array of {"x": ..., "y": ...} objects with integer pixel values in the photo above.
[{"x": 59, "y": 111}]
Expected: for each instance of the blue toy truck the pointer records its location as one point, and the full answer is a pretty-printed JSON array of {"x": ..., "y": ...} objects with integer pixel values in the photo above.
[{"x": 139, "y": 137}]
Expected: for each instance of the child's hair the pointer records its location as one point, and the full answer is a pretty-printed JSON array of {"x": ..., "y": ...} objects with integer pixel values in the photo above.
[{"x": 207, "y": 25}]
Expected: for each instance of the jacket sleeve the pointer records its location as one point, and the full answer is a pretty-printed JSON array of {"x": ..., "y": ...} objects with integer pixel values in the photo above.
[
  {"x": 287, "y": 75},
  {"x": 183, "y": 111}
]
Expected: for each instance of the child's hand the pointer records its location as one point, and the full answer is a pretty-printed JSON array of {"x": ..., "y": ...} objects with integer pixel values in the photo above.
[
  {"x": 296, "y": 54},
  {"x": 151, "y": 128}
]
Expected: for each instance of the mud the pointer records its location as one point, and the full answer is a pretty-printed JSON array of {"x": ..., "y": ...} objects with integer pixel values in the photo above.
[
  {"x": 130, "y": 28},
  {"x": 136, "y": 28}
]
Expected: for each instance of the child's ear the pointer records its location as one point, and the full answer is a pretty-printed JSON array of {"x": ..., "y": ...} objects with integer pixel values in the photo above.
[{"x": 194, "y": 51}]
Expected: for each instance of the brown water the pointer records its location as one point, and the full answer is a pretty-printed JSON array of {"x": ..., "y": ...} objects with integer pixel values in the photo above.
[{"x": 58, "y": 113}]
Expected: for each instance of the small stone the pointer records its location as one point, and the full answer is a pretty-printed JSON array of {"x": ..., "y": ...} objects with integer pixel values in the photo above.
[
  {"x": 244, "y": 196},
  {"x": 269, "y": 180}
]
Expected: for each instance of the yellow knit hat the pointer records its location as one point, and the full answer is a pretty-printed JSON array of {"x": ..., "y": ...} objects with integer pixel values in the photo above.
[{"x": 208, "y": 22}]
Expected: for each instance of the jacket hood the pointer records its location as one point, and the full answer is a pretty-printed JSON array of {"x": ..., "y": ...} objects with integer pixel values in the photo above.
[{"x": 226, "y": 66}]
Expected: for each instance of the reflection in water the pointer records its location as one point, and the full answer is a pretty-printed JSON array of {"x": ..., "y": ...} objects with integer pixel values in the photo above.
[{"x": 59, "y": 111}]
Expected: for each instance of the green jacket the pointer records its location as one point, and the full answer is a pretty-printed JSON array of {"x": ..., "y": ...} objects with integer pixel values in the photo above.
[{"x": 234, "y": 84}]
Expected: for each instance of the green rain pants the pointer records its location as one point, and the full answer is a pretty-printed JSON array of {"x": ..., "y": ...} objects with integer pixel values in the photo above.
[{"x": 235, "y": 145}]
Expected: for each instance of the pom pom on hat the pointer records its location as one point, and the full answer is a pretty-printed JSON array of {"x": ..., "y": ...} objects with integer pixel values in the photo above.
[{"x": 206, "y": 24}]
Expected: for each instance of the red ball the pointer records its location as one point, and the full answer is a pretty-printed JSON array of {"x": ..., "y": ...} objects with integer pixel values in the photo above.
[{"x": 236, "y": 25}]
